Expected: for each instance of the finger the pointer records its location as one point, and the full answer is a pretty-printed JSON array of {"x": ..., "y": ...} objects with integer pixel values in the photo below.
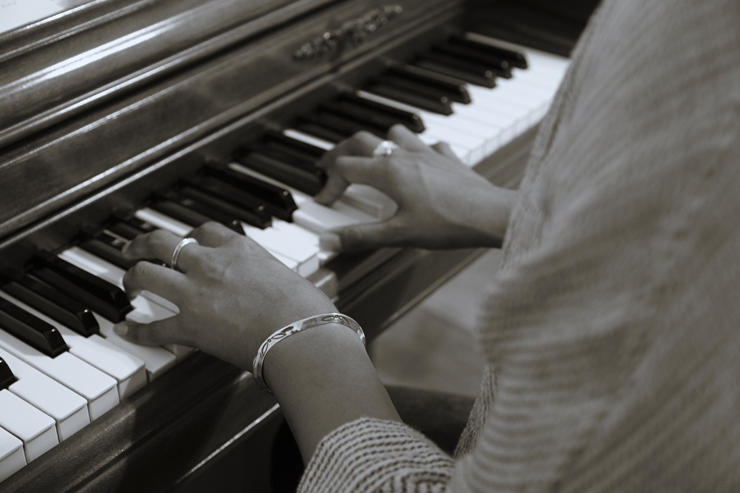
[
  {"x": 364, "y": 236},
  {"x": 445, "y": 149},
  {"x": 405, "y": 138},
  {"x": 211, "y": 234},
  {"x": 161, "y": 281},
  {"x": 160, "y": 244},
  {"x": 363, "y": 170},
  {"x": 334, "y": 188},
  {"x": 360, "y": 144},
  {"x": 167, "y": 331}
]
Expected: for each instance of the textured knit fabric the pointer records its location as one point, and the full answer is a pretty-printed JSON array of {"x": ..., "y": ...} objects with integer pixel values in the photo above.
[{"x": 612, "y": 332}]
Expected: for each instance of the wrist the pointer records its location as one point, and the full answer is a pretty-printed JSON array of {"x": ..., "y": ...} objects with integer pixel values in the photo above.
[
  {"x": 292, "y": 329},
  {"x": 281, "y": 317}
]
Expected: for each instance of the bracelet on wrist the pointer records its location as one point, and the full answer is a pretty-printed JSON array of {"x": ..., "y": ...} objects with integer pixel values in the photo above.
[{"x": 294, "y": 328}]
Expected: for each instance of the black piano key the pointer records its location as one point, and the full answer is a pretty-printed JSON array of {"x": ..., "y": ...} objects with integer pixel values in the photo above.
[
  {"x": 471, "y": 72},
  {"x": 99, "y": 295},
  {"x": 345, "y": 126},
  {"x": 178, "y": 212},
  {"x": 255, "y": 214},
  {"x": 414, "y": 88},
  {"x": 316, "y": 130},
  {"x": 107, "y": 247},
  {"x": 455, "y": 89},
  {"x": 375, "y": 119},
  {"x": 411, "y": 120},
  {"x": 278, "y": 201},
  {"x": 500, "y": 66},
  {"x": 192, "y": 212},
  {"x": 134, "y": 225},
  {"x": 515, "y": 58},
  {"x": 177, "y": 205},
  {"x": 124, "y": 229},
  {"x": 440, "y": 105},
  {"x": 52, "y": 303},
  {"x": 6, "y": 375},
  {"x": 272, "y": 138},
  {"x": 30, "y": 329},
  {"x": 310, "y": 182},
  {"x": 248, "y": 203},
  {"x": 285, "y": 153},
  {"x": 452, "y": 72}
]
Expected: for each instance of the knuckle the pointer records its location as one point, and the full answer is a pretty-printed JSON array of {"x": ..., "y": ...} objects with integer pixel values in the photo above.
[
  {"x": 139, "y": 270},
  {"x": 210, "y": 227},
  {"x": 156, "y": 236}
]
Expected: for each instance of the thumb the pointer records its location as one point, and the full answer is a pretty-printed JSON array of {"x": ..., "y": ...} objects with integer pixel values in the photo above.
[
  {"x": 366, "y": 236},
  {"x": 334, "y": 188},
  {"x": 156, "y": 333}
]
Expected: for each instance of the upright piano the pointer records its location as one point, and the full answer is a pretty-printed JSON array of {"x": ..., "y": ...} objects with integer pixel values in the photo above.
[{"x": 120, "y": 116}]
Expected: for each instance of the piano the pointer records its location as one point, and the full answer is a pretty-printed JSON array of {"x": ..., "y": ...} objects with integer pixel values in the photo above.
[{"x": 121, "y": 116}]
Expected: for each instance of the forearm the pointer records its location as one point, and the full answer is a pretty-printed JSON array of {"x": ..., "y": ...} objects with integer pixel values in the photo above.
[{"x": 323, "y": 378}]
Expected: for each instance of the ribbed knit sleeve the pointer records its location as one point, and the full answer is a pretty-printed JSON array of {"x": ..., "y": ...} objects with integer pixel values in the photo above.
[{"x": 376, "y": 455}]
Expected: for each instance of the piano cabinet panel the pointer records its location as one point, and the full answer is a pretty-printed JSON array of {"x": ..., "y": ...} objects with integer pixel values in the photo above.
[
  {"x": 88, "y": 55},
  {"x": 140, "y": 124}
]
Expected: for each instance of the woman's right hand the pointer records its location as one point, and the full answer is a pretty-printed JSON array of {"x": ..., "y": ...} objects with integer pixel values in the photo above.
[{"x": 441, "y": 202}]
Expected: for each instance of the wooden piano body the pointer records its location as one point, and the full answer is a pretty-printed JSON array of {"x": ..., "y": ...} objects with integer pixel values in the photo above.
[{"x": 105, "y": 103}]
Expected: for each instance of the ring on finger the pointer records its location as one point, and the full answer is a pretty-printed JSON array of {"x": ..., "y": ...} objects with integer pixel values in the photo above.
[
  {"x": 176, "y": 254},
  {"x": 384, "y": 149}
]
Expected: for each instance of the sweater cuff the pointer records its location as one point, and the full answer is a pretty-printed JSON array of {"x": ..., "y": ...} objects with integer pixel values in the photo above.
[{"x": 370, "y": 454}]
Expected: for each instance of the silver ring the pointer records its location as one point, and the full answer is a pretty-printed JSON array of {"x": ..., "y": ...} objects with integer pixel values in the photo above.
[
  {"x": 178, "y": 249},
  {"x": 384, "y": 149}
]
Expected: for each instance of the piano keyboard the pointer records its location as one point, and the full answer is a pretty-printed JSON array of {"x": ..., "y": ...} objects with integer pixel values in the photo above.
[{"x": 61, "y": 363}]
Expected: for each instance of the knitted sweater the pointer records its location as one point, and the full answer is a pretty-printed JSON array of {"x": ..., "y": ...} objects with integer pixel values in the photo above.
[{"x": 612, "y": 332}]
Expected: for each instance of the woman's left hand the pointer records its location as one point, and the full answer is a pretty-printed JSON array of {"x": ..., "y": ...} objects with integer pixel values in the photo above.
[{"x": 232, "y": 294}]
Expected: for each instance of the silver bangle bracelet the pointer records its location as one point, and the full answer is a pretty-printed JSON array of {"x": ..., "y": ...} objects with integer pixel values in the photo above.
[{"x": 294, "y": 328}]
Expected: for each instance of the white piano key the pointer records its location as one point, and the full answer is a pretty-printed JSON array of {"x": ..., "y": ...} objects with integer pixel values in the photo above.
[
  {"x": 145, "y": 310},
  {"x": 288, "y": 262},
  {"x": 100, "y": 390},
  {"x": 162, "y": 221},
  {"x": 285, "y": 240},
  {"x": 127, "y": 369},
  {"x": 325, "y": 256},
  {"x": 68, "y": 409},
  {"x": 35, "y": 429},
  {"x": 310, "y": 214},
  {"x": 297, "y": 232},
  {"x": 308, "y": 139},
  {"x": 509, "y": 97},
  {"x": 157, "y": 360},
  {"x": 12, "y": 455}
]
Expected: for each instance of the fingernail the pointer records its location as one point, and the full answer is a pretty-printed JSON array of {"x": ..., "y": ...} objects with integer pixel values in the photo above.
[
  {"x": 330, "y": 242},
  {"x": 125, "y": 247},
  {"x": 121, "y": 329}
]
